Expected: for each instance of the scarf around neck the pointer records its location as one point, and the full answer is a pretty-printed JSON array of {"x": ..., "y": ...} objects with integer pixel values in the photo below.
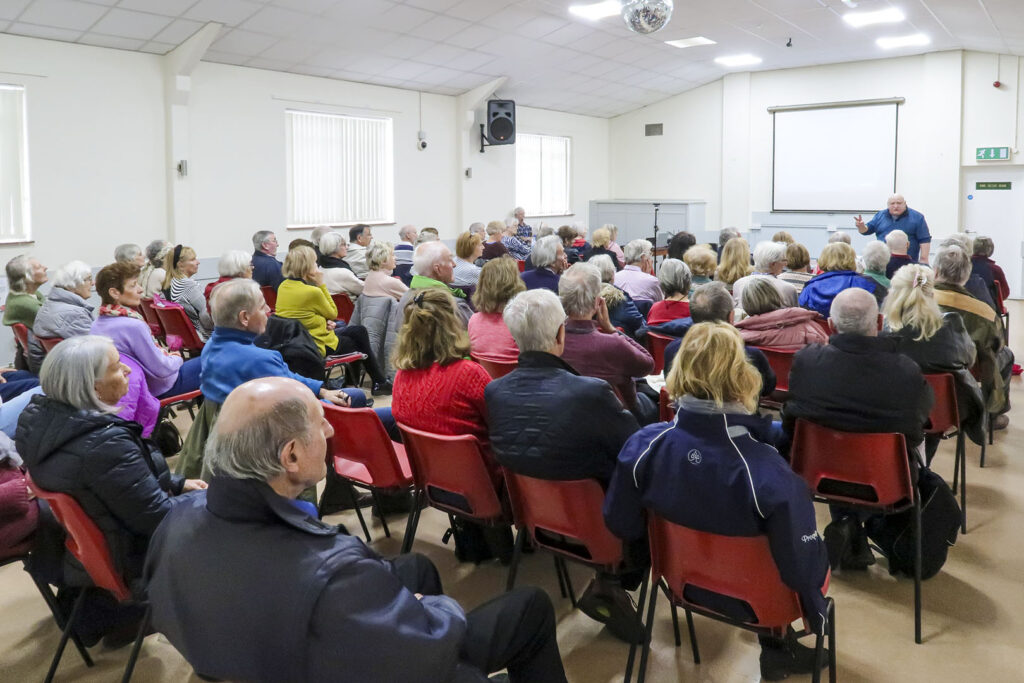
[{"x": 118, "y": 310}]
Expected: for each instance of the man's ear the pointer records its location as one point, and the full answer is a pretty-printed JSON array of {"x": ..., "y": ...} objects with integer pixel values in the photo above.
[
  {"x": 832, "y": 326},
  {"x": 243, "y": 319},
  {"x": 289, "y": 458},
  {"x": 560, "y": 336}
]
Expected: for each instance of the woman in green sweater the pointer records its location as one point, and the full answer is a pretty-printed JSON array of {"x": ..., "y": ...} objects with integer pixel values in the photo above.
[{"x": 24, "y": 276}]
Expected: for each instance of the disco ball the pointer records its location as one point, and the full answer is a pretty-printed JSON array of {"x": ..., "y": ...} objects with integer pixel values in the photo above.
[{"x": 646, "y": 16}]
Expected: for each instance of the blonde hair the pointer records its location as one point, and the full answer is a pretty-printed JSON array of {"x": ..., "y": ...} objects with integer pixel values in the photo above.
[
  {"x": 797, "y": 256},
  {"x": 299, "y": 263},
  {"x": 378, "y": 254},
  {"x": 466, "y": 245},
  {"x": 712, "y": 364},
  {"x": 701, "y": 260},
  {"x": 431, "y": 331},
  {"x": 499, "y": 282},
  {"x": 735, "y": 261},
  {"x": 911, "y": 302},
  {"x": 783, "y": 236},
  {"x": 837, "y": 256},
  {"x": 173, "y": 271},
  {"x": 602, "y": 237}
]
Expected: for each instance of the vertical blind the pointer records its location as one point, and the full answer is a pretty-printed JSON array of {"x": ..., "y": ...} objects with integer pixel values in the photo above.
[
  {"x": 340, "y": 169},
  {"x": 15, "y": 224},
  {"x": 542, "y": 174}
]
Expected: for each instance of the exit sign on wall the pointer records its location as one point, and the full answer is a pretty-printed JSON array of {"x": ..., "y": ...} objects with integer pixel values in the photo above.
[{"x": 992, "y": 154}]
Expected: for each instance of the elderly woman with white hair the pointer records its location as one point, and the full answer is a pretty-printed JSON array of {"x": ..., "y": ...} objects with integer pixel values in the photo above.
[
  {"x": 637, "y": 276},
  {"x": 975, "y": 284},
  {"x": 769, "y": 261},
  {"x": 380, "y": 259},
  {"x": 25, "y": 275},
  {"x": 232, "y": 264},
  {"x": 130, "y": 253},
  {"x": 675, "y": 279},
  {"x": 621, "y": 309},
  {"x": 875, "y": 259},
  {"x": 65, "y": 313},
  {"x": 73, "y": 442},
  {"x": 338, "y": 276},
  {"x": 549, "y": 260}
]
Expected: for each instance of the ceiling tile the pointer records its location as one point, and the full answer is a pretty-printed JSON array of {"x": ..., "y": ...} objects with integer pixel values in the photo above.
[
  {"x": 406, "y": 47},
  {"x": 308, "y": 6},
  {"x": 117, "y": 42},
  {"x": 540, "y": 27},
  {"x": 407, "y": 70},
  {"x": 440, "y": 54},
  {"x": 170, "y": 8},
  {"x": 270, "y": 64},
  {"x": 309, "y": 70},
  {"x": 473, "y": 36},
  {"x": 178, "y": 31},
  {"x": 358, "y": 11},
  {"x": 507, "y": 19},
  {"x": 437, "y": 75},
  {"x": 401, "y": 18},
  {"x": 224, "y": 57},
  {"x": 10, "y": 9},
  {"x": 373, "y": 65},
  {"x": 333, "y": 58},
  {"x": 276, "y": 21},
  {"x": 292, "y": 51},
  {"x": 129, "y": 24},
  {"x": 470, "y": 61},
  {"x": 157, "y": 48},
  {"x": 440, "y": 27},
  {"x": 48, "y": 32},
  {"x": 229, "y": 12},
  {"x": 475, "y": 10},
  {"x": 433, "y": 5},
  {"x": 239, "y": 42},
  {"x": 62, "y": 14}
]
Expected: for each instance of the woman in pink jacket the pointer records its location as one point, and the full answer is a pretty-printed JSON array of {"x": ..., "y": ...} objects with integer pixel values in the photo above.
[{"x": 772, "y": 325}]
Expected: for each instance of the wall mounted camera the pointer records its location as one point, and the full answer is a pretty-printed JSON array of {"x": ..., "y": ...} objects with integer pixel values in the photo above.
[{"x": 422, "y": 140}]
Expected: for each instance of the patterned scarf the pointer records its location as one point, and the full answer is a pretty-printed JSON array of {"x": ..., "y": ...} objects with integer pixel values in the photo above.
[{"x": 118, "y": 310}]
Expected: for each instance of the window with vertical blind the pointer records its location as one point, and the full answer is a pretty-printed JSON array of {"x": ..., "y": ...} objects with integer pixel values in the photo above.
[
  {"x": 15, "y": 219},
  {"x": 542, "y": 174},
  {"x": 340, "y": 169}
]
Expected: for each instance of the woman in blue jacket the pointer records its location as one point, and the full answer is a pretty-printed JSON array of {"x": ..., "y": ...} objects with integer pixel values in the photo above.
[
  {"x": 838, "y": 263},
  {"x": 712, "y": 469}
]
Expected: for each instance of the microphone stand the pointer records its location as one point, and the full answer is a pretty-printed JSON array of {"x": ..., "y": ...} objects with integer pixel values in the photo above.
[{"x": 655, "y": 259}]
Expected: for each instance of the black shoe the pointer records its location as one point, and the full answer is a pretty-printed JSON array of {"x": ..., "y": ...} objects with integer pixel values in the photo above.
[
  {"x": 780, "y": 658},
  {"x": 858, "y": 555},
  {"x": 837, "y": 540},
  {"x": 381, "y": 388},
  {"x": 611, "y": 605}
]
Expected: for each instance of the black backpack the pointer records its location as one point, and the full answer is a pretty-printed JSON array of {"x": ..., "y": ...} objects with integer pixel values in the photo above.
[{"x": 940, "y": 524}]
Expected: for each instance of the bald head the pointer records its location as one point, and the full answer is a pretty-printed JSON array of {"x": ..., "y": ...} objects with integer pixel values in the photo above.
[
  {"x": 855, "y": 311},
  {"x": 897, "y": 205}
]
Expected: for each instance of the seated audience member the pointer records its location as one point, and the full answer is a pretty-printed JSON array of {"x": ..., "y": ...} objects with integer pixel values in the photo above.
[
  {"x": 702, "y": 264},
  {"x": 995, "y": 360},
  {"x": 428, "y": 234},
  {"x": 233, "y": 264},
  {"x": 724, "y": 235},
  {"x": 518, "y": 249},
  {"x": 66, "y": 312},
  {"x": 403, "y": 250},
  {"x": 783, "y": 237},
  {"x": 535, "y": 417},
  {"x": 266, "y": 269},
  {"x": 493, "y": 247},
  {"x": 468, "y": 248},
  {"x": 549, "y": 261},
  {"x": 876, "y": 260},
  {"x": 301, "y": 242},
  {"x": 24, "y": 277},
  {"x": 614, "y": 247},
  {"x": 622, "y": 312},
  {"x": 838, "y": 264},
  {"x": 166, "y": 375},
  {"x": 899, "y": 245},
  {"x": 716, "y": 391},
  {"x": 523, "y": 231},
  {"x": 567, "y": 234},
  {"x": 181, "y": 264},
  {"x": 380, "y": 259},
  {"x": 489, "y": 338},
  {"x": 713, "y": 303},
  {"x": 680, "y": 244},
  {"x": 798, "y": 267},
  {"x": 19, "y": 509},
  {"x": 637, "y": 277},
  {"x": 130, "y": 253},
  {"x": 304, "y": 297},
  {"x": 337, "y": 273},
  {"x": 733, "y": 262},
  {"x": 435, "y": 267},
  {"x": 594, "y": 348},
  {"x": 73, "y": 442},
  {"x": 988, "y": 270},
  {"x": 674, "y": 278},
  {"x": 478, "y": 228},
  {"x": 328, "y": 605},
  {"x": 769, "y": 262},
  {"x": 599, "y": 245},
  {"x": 938, "y": 342},
  {"x": 580, "y": 243},
  {"x": 975, "y": 284},
  {"x": 359, "y": 237},
  {"x": 858, "y": 382},
  {"x": 773, "y": 324},
  {"x": 152, "y": 276},
  {"x": 839, "y": 237}
]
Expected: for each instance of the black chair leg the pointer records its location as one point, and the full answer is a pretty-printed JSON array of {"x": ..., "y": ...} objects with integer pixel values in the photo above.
[
  {"x": 380, "y": 512},
  {"x": 72, "y": 618},
  {"x": 517, "y": 555},
  {"x": 58, "y": 617},
  {"x": 962, "y": 462},
  {"x": 675, "y": 623},
  {"x": 640, "y": 624},
  {"x": 561, "y": 579},
  {"x": 137, "y": 646},
  {"x": 991, "y": 432},
  {"x": 648, "y": 632},
  {"x": 832, "y": 673},
  {"x": 917, "y": 565},
  {"x": 568, "y": 582},
  {"x": 359, "y": 512},
  {"x": 693, "y": 637},
  {"x": 414, "y": 520}
]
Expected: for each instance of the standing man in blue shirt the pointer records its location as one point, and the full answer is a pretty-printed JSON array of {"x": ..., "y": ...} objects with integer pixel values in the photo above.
[{"x": 899, "y": 217}]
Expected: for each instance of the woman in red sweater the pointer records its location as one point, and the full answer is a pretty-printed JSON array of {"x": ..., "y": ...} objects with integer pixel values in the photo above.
[{"x": 674, "y": 278}]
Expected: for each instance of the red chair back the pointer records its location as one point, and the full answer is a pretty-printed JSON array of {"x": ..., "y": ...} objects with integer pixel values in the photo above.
[
  {"x": 361, "y": 449},
  {"x": 656, "y": 344},
  {"x": 151, "y": 318},
  {"x": 998, "y": 292},
  {"x": 495, "y": 368},
  {"x": 740, "y": 567},
  {"x": 521, "y": 265},
  {"x": 21, "y": 334},
  {"x": 550, "y": 510},
  {"x": 270, "y": 296},
  {"x": 49, "y": 342},
  {"x": 85, "y": 541},
  {"x": 823, "y": 324},
  {"x": 456, "y": 464},
  {"x": 180, "y": 398},
  {"x": 666, "y": 411},
  {"x": 876, "y": 463},
  {"x": 175, "y": 322},
  {"x": 781, "y": 362},
  {"x": 945, "y": 416},
  {"x": 345, "y": 306}
]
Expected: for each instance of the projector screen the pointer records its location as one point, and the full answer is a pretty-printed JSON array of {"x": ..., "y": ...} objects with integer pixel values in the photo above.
[{"x": 834, "y": 159}]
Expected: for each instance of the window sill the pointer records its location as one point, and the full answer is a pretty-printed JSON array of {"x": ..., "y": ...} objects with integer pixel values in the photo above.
[
  {"x": 338, "y": 225},
  {"x": 16, "y": 243}
]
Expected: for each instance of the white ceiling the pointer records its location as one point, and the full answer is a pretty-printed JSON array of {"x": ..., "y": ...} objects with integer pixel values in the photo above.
[{"x": 552, "y": 59}]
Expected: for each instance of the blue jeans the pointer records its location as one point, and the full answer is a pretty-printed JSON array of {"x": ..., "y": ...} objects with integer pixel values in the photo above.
[
  {"x": 16, "y": 383},
  {"x": 188, "y": 378}
]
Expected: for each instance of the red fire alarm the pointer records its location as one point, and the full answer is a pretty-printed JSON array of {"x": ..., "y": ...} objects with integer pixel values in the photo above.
[{"x": 997, "y": 84}]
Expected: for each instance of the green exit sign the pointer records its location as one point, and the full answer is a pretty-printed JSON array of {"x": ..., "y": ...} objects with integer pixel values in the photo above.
[
  {"x": 992, "y": 154},
  {"x": 993, "y": 186}
]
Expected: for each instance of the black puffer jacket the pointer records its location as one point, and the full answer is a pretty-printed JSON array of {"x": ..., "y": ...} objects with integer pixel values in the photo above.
[{"x": 103, "y": 463}]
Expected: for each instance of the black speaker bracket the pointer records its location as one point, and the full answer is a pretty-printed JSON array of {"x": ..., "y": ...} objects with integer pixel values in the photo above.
[{"x": 483, "y": 139}]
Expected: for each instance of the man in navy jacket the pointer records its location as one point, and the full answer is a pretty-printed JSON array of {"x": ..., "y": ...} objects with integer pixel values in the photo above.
[
  {"x": 248, "y": 584},
  {"x": 266, "y": 269}
]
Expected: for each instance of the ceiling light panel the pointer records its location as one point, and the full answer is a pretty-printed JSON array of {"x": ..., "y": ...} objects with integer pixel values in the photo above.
[
  {"x": 890, "y": 15},
  {"x": 738, "y": 60},
  {"x": 597, "y": 10},
  {"x": 690, "y": 42},
  {"x": 893, "y": 42}
]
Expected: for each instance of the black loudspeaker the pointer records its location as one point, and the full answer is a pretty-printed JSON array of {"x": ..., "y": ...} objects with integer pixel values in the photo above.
[{"x": 501, "y": 122}]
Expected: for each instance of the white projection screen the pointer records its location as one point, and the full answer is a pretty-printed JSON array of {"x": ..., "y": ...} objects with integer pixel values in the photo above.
[{"x": 839, "y": 158}]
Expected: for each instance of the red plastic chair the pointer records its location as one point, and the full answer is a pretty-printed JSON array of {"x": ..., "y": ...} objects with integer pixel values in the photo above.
[
  {"x": 451, "y": 465},
  {"x": 666, "y": 409},
  {"x": 739, "y": 567},
  {"x": 944, "y": 421},
  {"x": 88, "y": 545},
  {"x": 21, "y": 335},
  {"x": 348, "y": 360},
  {"x": 270, "y": 296},
  {"x": 868, "y": 471},
  {"x": 151, "y": 318},
  {"x": 656, "y": 344},
  {"x": 521, "y": 265},
  {"x": 781, "y": 362},
  {"x": 189, "y": 400},
  {"x": 175, "y": 322},
  {"x": 49, "y": 342},
  {"x": 823, "y": 324},
  {"x": 362, "y": 453},
  {"x": 495, "y": 368},
  {"x": 345, "y": 307},
  {"x": 1001, "y": 308}
]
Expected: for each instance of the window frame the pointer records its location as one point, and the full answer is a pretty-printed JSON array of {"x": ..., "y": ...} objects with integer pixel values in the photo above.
[{"x": 25, "y": 198}]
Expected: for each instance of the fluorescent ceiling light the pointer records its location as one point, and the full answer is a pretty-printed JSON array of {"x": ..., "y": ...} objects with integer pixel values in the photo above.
[
  {"x": 738, "y": 60},
  {"x": 913, "y": 40},
  {"x": 891, "y": 15},
  {"x": 690, "y": 42},
  {"x": 598, "y": 10}
]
